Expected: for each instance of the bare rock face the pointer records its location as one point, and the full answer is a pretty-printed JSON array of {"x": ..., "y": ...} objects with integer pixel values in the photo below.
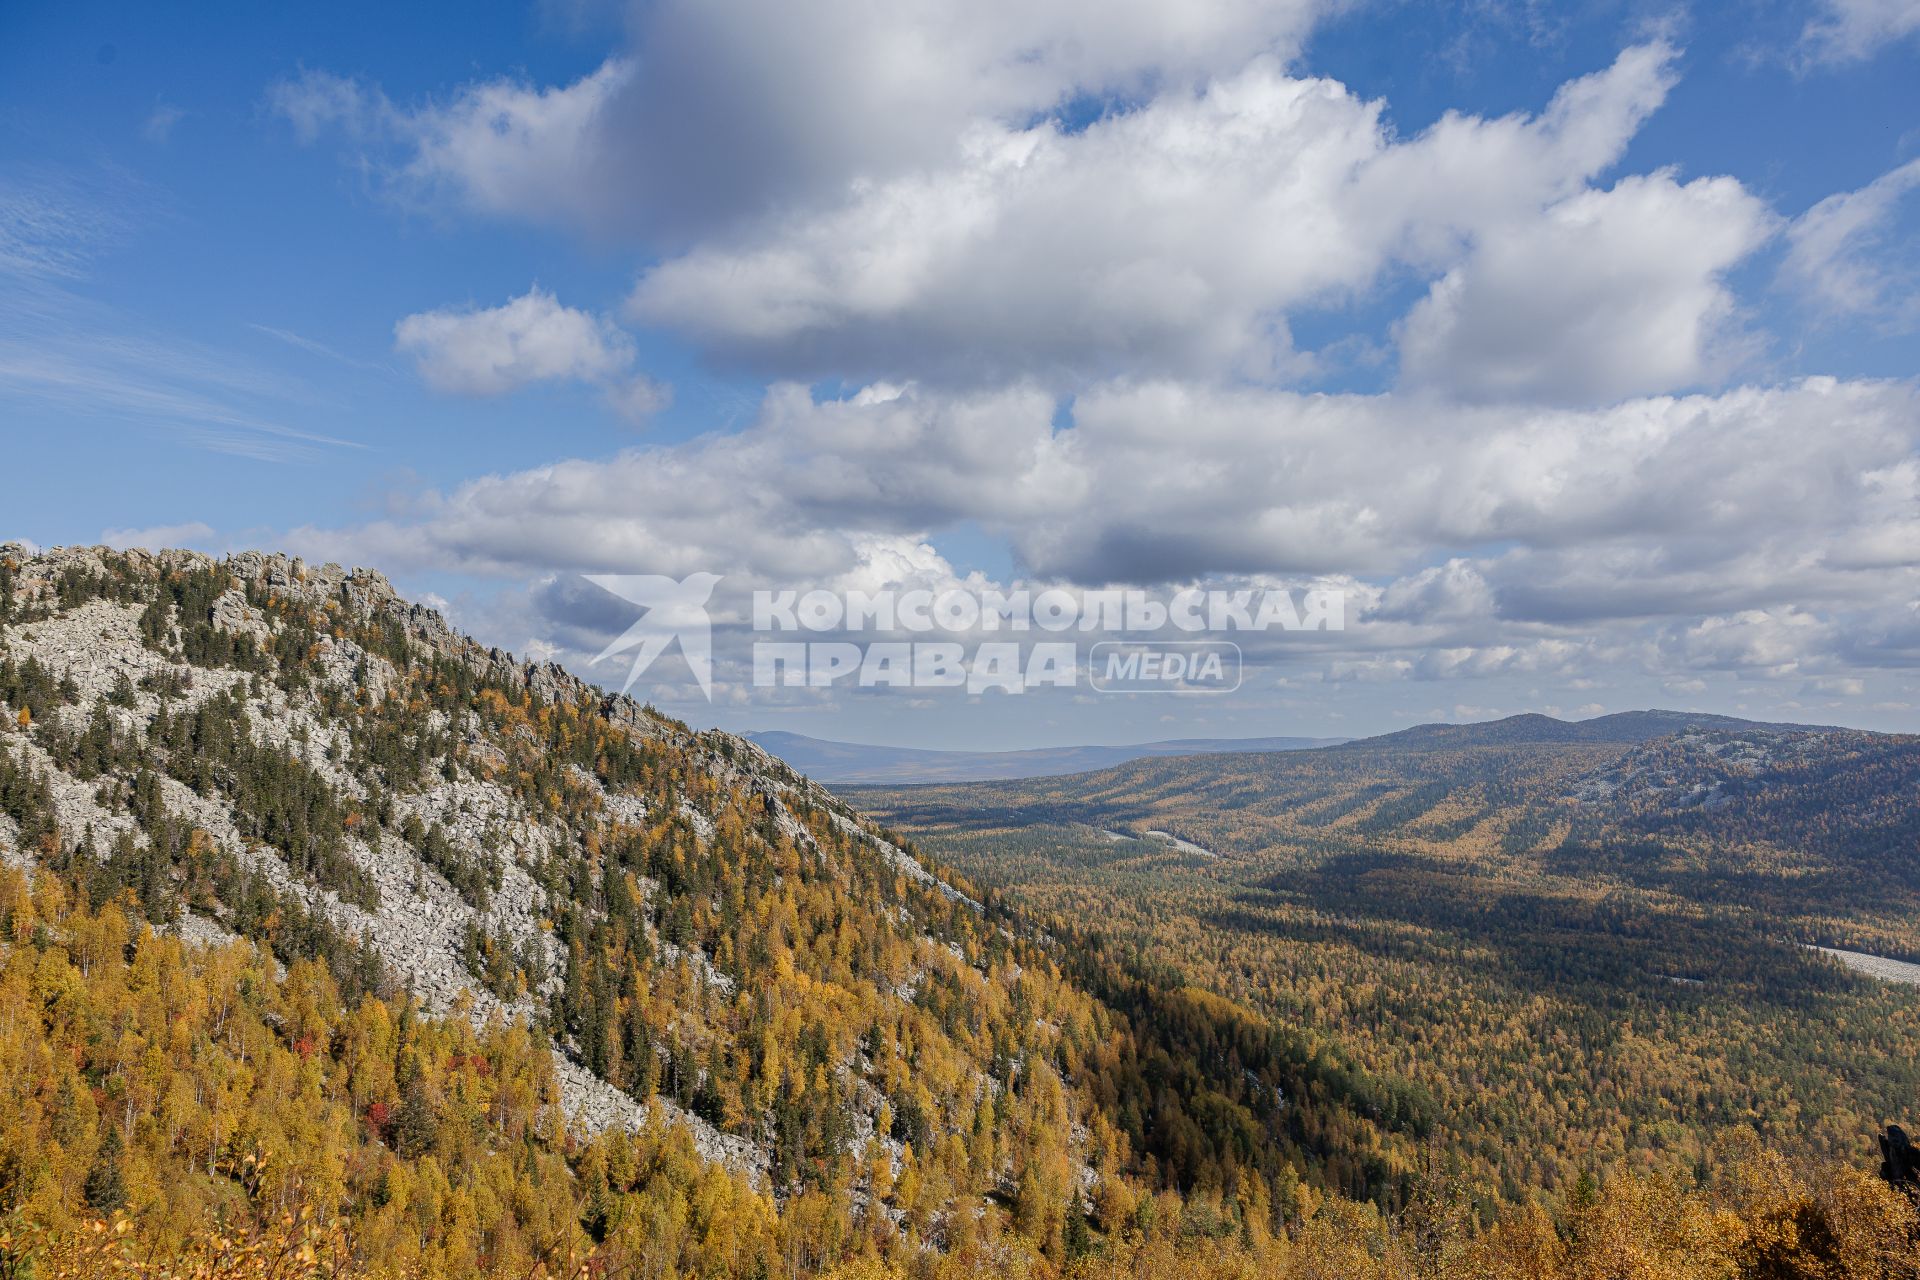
[
  {"x": 594, "y": 1106},
  {"x": 232, "y": 614},
  {"x": 11, "y": 854},
  {"x": 97, "y": 646}
]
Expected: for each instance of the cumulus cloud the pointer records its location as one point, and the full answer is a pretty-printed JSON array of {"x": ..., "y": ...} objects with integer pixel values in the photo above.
[
  {"x": 1170, "y": 239},
  {"x": 512, "y": 148},
  {"x": 908, "y": 197},
  {"x": 1776, "y": 642},
  {"x": 1438, "y": 593},
  {"x": 791, "y": 496},
  {"x": 1249, "y": 479},
  {"x": 1839, "y": 255},
  {"x": 1066, "y": 249},
  {"x": 719, "y": 110},
  {"x": 1553, "y": 592},
  {"x": 1578, "y": 527},
  {"x": 532, "y": 338},
  {"x": 1609, "y": 294}
]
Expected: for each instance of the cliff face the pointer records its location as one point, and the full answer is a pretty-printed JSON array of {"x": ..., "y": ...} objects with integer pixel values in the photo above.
[{"x": 258, "y": 747}]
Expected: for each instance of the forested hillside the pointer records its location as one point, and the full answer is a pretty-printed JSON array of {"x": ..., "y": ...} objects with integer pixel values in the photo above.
[
  {"x": 668, "y": 933},
  {"x": 334, "y": 943},
  {"x": 1566, "y": 945},
  {"x": 192, "y": 1110}
]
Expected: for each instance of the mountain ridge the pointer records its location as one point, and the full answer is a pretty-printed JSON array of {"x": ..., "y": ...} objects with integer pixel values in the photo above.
[
  {"x": 1654, "y": 871},
  {"x": 862, "y": 765},
  {"x": 422, "y": 922},
  {"x": 1622, "y": 727},
  {"x": 830, "y": 761}
]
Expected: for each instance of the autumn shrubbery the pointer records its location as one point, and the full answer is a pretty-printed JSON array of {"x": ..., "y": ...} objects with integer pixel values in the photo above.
[{"x": 296, "y": 1247}]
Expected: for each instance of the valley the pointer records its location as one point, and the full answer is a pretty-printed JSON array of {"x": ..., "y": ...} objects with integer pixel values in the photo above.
[{"x": 1574, "y": 944}]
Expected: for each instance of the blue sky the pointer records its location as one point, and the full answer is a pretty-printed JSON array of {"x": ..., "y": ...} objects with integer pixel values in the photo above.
[{"x": 1250, "y": 235}]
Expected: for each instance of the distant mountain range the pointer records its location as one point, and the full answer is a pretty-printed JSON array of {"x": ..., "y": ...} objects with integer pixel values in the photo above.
[
  {"x": 840, "y": 762},
  {"x": 865, "y": 764},
  {"x": 1625, "y": 727}
]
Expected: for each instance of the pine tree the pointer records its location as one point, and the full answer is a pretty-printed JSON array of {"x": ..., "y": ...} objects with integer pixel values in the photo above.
[
  {"x": 105, "y": 1188},
  {"x": 415, "y": 1129}
]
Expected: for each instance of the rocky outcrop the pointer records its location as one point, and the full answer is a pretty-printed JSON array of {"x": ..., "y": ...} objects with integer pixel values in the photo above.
[{"x": 420, "y": 924}]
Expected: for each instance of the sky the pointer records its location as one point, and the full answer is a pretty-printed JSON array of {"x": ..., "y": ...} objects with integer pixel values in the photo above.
[{"x": 1573, "y": 344}]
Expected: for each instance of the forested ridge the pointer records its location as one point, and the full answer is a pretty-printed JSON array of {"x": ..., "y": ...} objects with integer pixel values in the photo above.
[
  {"x": 333, "y": 943},
  {"x": 1562, "y": 947}
]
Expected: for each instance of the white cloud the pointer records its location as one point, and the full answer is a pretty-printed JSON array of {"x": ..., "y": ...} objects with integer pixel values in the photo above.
[
  {"x": 722, "y": 110},
  {"x": 1585, "y": 528},
  {"x": 316, "y": 101},
  {"x": 845, "y": 195},
  {"x": 1074, "y": 336},
  {"x": 793, "y": 495},
  {"x": 532, "y": 338},
  {"x": 507, "y": 147},
  {"x": 1467, "y": 173},
  {"x": 1183, "y": 478},
  {"x": 1840, "y": 256},
  {"x": 194, "y": 533},
  {"x": 1446, "y": 592},
  {"x": 1170, "y": 239},
  {"x": 1776, "y": 642},
  {"x": 1609, "y": 294},
  {"x": 484, "y": 352},
  {"x": 1849, "y": 30}
]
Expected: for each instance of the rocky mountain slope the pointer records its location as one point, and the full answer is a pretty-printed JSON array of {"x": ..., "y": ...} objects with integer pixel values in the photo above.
[{"x": 257, "y": 747}]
